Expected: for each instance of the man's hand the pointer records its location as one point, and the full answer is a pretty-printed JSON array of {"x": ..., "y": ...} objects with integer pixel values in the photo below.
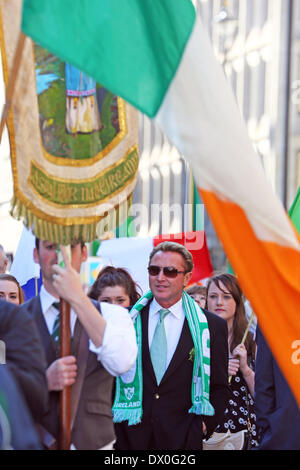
[
  {"x": 66, "y": 281},
  {"x": 61, "y": 373},
  {"x": 67, "y": 284}
]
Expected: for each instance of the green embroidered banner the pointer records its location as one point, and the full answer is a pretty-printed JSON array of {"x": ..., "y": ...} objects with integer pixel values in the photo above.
[
  {"x": 89, "y": 192},
  {"x": 73, "y": 143}
]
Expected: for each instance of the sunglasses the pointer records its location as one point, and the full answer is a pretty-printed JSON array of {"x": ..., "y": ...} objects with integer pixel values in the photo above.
[{"x": 168, "y": 271}]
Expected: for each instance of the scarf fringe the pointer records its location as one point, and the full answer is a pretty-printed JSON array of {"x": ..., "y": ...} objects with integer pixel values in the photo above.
[
  {"x": 133, "y": 416},
  {"x": 205, "y": 408}
]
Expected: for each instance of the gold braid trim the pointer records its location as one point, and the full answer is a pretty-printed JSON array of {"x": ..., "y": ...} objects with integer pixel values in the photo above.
[{"x": 67, "y": 234}]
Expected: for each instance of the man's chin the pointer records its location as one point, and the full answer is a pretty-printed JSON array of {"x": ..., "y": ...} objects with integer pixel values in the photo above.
[
  {"x": 165, "y": 300},
  {"x": 160, "y": 292}
]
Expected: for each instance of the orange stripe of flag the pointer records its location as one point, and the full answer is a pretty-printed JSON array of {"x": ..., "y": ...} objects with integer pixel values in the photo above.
[{"x": 269, "y": 275}]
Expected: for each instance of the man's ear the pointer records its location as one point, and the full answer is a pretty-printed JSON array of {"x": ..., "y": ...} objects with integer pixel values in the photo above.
[
  {"x": 84, "y": 254},
  {"x": 36, "y": 256},
  {"x": 187, "y": 278}
]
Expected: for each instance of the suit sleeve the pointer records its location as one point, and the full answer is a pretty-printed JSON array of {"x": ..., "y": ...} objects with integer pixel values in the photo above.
[
  {"x": 20, "y": 426},
  {"x": 25, "y": 357},
  {"x": 219, "y": 388},
  {"x": 264, "y": 383},
  {"x": 277, "y": 412}
]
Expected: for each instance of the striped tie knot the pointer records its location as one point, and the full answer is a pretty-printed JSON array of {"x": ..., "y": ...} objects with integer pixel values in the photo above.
[{"x": 56, "y": 305}]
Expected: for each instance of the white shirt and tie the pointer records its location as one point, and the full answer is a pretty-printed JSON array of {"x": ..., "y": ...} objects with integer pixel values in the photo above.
[
  {"x": 173, "y": 324},
  {"x": 119, "y": 334}
]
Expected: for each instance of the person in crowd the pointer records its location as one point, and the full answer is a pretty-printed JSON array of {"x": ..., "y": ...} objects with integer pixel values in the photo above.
[
  {"x": 23, "y": 355},
  {"x": 3, "y": 260},
  {"x": 198, "y": 293},
  {"x": 277, "y": 412},
  {"x": 115, "y": 286},
  {"x": 225, "y": 298},
  {"x": 17, "y": 429},
  {"x": 10, "y": 289},
  {"x": 103, "y": 345},
  {"x": 171, "y": 398}
]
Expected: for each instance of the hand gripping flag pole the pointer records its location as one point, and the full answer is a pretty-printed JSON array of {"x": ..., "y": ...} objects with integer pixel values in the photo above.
[{"x": 244, "y": 337}]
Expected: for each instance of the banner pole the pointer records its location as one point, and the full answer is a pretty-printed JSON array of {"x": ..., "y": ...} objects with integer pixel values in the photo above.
[
  {"x": 65, "y": 394},
  {"x": 245, "y": 336},
  {"x": 12, "y": 81}
]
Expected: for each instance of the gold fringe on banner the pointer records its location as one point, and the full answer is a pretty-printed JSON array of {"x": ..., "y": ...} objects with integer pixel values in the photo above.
[{"x": 65, "y": 235}]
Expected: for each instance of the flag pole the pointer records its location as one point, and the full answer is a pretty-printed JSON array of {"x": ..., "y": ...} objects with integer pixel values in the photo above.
[
  {"x": 245, "y": 336},
  {"x": 12, "y": 81},
  {"x": 65, "y": 394}
]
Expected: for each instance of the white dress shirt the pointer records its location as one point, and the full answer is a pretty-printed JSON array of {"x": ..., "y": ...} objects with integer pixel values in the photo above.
[
  {"x": 173, "y": 325},
  {"x": 118, "y": 350}
]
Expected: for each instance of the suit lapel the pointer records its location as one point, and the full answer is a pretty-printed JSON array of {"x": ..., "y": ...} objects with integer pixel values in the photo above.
[
  {"x": 182, "y": 351},
  {"x": 147, "y": 362},
  {"x": 76, "y": 337},
  {"x": 47, "y": 341},
  {"x": 91, "y": 364}
]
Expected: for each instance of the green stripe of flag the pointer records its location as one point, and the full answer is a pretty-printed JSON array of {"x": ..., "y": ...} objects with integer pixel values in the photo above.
[
  {"x": 131, "y": 47},
  {"x": 294, "y": 212},
  {"x": 198, "y": 215}
]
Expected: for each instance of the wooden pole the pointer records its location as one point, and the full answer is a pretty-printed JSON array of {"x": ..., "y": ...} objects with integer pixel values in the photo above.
[
  {"x": 36, "y": 286},
  {"x": 12, "y": 81},
  {"x": 248, "y": 328},
  {"x": 65, "y": 394},
  {"x": 245, "y": 336}
]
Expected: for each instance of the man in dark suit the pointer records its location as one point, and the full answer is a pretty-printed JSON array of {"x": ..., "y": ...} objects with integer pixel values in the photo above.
[
  {"x": 17, "y": 430},
  {"x": 277, "y": 412},
  {"x": 24, "y": 356},
  {"x": 166, "y": 422},
  {"x": 102, "y": 346}
]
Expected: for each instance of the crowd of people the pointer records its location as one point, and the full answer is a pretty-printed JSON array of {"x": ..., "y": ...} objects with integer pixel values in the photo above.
[{"x": 174, "y": 368}]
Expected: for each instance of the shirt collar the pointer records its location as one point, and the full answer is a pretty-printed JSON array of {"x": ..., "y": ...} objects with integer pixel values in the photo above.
[
  {"x": 46, "y": 299},
  {"x": 175, "y": 309}
]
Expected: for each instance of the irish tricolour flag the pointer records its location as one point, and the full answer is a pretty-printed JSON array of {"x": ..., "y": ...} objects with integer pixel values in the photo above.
[{"x": 156, "y": 55}]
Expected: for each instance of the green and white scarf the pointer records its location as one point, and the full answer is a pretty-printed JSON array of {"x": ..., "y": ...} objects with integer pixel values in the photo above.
[{"x": 129, "y": 386}]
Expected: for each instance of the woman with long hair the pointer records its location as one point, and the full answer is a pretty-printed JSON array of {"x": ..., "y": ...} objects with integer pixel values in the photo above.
[
  {"x": 10, "y": 289},
  {"x": 225, "y": 299},
  {"x": 115, "y": 286}
]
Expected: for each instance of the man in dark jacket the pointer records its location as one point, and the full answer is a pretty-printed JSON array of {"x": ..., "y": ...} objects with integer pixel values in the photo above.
[
  {"x": 169, "y": 420},
  {"x": 103, "y": 345},
  {"x": 24, "y": 356},
  {"x": 17, "y": 430},
  {"x": 277, "y": 412}
]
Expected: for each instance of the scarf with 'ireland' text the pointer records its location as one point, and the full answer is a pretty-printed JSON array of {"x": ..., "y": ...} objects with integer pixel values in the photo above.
[{"x": 129, "y": 386}]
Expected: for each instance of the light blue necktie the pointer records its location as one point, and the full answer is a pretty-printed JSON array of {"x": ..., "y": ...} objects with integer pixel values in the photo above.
[{"x": 158, "y": 350}]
